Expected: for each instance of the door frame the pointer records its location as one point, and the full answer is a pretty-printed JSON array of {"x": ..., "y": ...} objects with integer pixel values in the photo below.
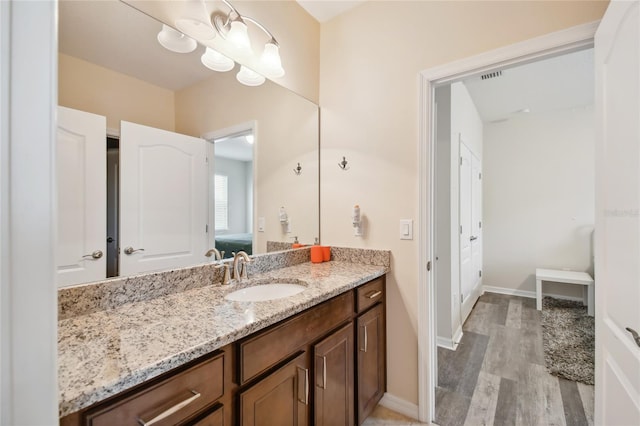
[
  {"x": 549, "y": 45},
  {"x": 210, "y": 137}
]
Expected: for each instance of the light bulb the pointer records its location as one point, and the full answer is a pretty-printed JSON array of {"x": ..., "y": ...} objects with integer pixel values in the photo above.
[
  {"x": 194, "y": 21},
  {"x": 249, "y": 139},
  {"x": 239, "y": 37},
  {"x": 175, "y": 41},
  {"x": 249, "y": 77},
  {"x": 270, "y": 60},
  {"x": 216, "y": 61}
]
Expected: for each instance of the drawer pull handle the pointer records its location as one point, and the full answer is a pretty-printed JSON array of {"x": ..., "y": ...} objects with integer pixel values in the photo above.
[
  {"x": 365, "y": 339},
  {"x": 374, "y": 295},
  {"x": 324, "y": 372},
  {"x": 170, "y": 410},
  {"x": 305, "y": 401}
]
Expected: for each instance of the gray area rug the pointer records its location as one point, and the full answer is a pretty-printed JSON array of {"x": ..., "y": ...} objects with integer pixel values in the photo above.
[{"x": 568, "y": 337}]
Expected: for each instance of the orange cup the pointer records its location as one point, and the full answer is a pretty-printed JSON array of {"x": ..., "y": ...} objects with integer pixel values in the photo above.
[
  {"x": 316, "y": 254},
  {"x": 326, "y": 253}
]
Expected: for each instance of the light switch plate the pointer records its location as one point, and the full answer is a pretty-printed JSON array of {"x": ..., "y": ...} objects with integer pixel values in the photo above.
[
  {"x": 261, "y": 224},
  {"x": 406, "y": 229}
]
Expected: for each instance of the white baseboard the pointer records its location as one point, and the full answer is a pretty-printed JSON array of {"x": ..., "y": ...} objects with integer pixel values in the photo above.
[
  {"x": 450, "y": 343},
  {"x": 457, "y": 336},
  {"x": 525, "y": 293},
  {"x": 399, "y": 405},
  {"x": 445, "y": 342}
]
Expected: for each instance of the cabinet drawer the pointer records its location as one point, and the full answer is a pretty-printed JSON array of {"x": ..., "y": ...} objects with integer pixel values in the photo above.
[
  {"x": 261, "y": 352},
  {"x": 170, "y": 401},
  {"x": 370, "y": 294}
]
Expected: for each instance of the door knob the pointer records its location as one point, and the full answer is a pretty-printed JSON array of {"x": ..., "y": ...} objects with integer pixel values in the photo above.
[
  {"x": 131, "y": 250},
  {"x": 634, "y": 334},
  {"x": 473, "y": 238},
  {"x": 95, "y": 255}
]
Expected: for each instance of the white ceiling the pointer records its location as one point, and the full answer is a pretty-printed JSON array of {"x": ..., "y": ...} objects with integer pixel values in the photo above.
[
  {"x": 558, "y": 83},
  {"x": 324, "y": 10}
]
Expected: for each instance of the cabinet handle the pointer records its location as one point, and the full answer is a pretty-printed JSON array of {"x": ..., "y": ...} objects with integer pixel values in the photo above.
[
  {"x": 324, "y": 372},
  {"x": 365, "y": 339},
  {"x": 305, "y": 401},
  {"x": 170, "y": 411},
  {"x": 374, "y": 295}
]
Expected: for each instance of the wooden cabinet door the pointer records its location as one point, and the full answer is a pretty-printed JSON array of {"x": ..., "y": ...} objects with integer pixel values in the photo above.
[
  {"x": 334, "y": 401},
  {"x": 371, "y": 360},
  {"x": 282, "y": 398}
]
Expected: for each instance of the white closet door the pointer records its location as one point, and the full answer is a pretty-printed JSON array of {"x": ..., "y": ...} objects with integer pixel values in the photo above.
[
  {"x": 617, "y": 272},
  {"x": 163, "y": 199},
  {"x": 81, "y": 148}
]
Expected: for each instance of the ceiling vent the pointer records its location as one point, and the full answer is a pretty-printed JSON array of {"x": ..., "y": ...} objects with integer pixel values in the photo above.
[{"x": 491, "y": 75}]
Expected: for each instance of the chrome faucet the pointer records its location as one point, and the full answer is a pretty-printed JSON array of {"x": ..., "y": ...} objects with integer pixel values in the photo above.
[
  {"x": 225, "y": 276},
  {"x": 218, "y": 254},
  {"x": 240, "y": 261}
]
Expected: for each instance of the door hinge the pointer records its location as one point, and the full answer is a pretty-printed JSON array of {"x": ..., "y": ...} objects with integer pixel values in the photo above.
[
  {"x": 480, "y": 224},
  {"x": 480, "y": 273},
  {"x": 479, "y": 175},
  {"x": 461, "y": 161},
  {"x": 461, "y": 298},
  {"x": 206, "y": 228},
  {"x": 428, "y": 265},
  {"x": 460, "y": 229}
]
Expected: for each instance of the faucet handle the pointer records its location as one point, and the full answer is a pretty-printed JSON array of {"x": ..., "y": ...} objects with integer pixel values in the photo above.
[{"x": 225, "y": 276}]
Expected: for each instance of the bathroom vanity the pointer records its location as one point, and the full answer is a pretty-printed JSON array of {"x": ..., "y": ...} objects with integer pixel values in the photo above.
[{"x": 194, "y": 357}]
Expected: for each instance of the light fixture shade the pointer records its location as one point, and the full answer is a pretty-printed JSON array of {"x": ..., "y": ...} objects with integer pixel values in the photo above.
[
  {"x": 270, "y": 60},
  {"x": 195, "y": 22},
  {"x": 249, "y": 77},
  {"x": 175, "y": 41},
  {"x": 239, "y": 37},
  {"x": 216, "y": 61}
]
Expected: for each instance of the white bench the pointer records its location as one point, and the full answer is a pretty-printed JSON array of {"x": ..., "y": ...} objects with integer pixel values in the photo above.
[{"x": 566, "y": 277}]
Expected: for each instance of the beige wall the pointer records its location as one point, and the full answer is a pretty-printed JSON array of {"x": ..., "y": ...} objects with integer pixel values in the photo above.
[
  {"x": 89, "y": 87},
  {"x": 370, "y": 60},
  {"x": 287, "y": 133}
]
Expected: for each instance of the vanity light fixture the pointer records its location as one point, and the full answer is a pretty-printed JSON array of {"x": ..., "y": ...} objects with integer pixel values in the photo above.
[
  {"x": 233, "y": 28},
  {"x": 216, "y": 61},
  {"x": 194, "y": 21},
  {"x": 175, "y": 41},
  {"x": 248, "y": 77}
]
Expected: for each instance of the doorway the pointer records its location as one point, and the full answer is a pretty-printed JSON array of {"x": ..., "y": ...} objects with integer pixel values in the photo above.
[{"x": 543, "y": 47}]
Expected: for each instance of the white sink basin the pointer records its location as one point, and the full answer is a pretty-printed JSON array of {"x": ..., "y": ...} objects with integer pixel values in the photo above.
[{"x": 263, "y": 292}]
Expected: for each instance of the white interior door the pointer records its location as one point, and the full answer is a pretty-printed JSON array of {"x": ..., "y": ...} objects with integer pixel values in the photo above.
[
  {"x": 81, "y": 148},
  {"x": 476, "y": 226},
  {"x": 163, "y": 199},
  {"x": 617, "y": 273},
  {"x": 466, "y": 216}
]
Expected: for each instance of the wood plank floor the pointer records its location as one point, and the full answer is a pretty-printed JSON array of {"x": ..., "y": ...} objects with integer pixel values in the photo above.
[{"x": 497, "y": 374}]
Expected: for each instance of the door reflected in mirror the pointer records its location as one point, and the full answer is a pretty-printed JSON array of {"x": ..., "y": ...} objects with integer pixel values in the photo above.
[{"x": 111, "y": 65}]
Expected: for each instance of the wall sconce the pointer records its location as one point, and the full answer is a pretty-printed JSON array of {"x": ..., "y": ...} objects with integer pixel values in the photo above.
[
  {"x": 195, "y": 23},
  {"x": 344, "y": 164},
  {"x": 298, "y": 170}
]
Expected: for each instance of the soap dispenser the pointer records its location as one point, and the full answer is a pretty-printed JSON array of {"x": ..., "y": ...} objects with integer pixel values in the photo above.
[{"x": 296, "y": 243}]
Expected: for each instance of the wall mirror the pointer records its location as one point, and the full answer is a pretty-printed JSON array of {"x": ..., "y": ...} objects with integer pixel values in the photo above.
[{"x": 112, "y": 67}]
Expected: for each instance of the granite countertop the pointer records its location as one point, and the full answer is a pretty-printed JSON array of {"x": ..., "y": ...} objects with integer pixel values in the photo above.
[{"x": 103, "y": 353}]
